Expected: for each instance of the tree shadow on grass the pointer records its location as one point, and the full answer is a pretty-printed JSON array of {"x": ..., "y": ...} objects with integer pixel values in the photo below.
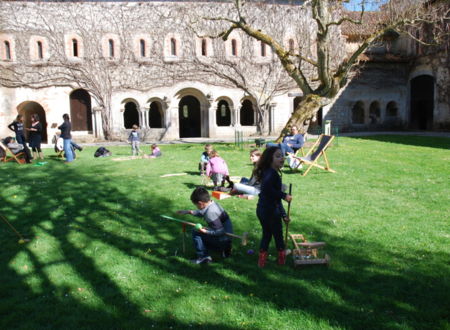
[
  {"x": 420, "y": 141},
  {"x": 87, "y": 234},
  {"x": 69, "y": 283}
]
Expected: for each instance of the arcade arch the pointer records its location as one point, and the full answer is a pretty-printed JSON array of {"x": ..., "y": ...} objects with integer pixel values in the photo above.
[
  {"x": 247, "y": 113},
  {"x": 28, "y": 108},
  {"x": 130, "y": 114},
  {"x": 156, "y": 115}
]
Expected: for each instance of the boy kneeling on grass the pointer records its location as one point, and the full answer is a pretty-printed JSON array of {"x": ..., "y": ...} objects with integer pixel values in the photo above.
[{"x": 218, "y": 222}]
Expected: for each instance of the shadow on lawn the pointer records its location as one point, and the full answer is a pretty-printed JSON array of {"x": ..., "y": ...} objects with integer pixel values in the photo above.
[
  {"x": 38, "y": 300},
  {"x": 420, "y": 141},
  {"x": 355, "y": 293}
]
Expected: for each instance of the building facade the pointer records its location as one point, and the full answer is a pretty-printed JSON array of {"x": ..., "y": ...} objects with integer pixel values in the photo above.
[{"x": 116, "y": 64}]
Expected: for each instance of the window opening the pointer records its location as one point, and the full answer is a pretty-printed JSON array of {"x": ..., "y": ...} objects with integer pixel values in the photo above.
[
  {"x": 111, "y": 48},
  {"x": 40, "y": 50},
  {"x": 7, "y": 50},
  {"x": 204, "y": 49},
  {"x": 233, "y": 47},
  {"x": 75, "y": 47},
  {"x": 173, "y": 47},
  {"x": 291, "y": 45},
  {"x": 142, "y": 47},
  {"x": 263, "y": 49}
]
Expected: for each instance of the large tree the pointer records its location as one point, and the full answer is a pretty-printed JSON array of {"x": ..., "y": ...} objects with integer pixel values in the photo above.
[{"x": 330, "y": 66}]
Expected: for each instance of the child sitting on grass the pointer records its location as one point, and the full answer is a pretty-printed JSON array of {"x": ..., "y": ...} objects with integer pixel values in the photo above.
[
  {"x": 156, "y": 152},
  {"x": 217, "y": 169},
  {"x": 250, "y": 186},
  {"x": 218, "y": 223},
  {"x": 204, "y": 158}
]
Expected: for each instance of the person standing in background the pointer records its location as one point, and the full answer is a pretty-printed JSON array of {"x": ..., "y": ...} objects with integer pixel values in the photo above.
[
  {"x": 35, "y": 136},
  {"x": 65, "y": 128}
]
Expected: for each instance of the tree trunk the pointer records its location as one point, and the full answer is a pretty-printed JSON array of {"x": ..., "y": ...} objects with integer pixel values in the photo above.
[
  {"x": 305, "y": 110},
  {"x": 262, "y": 120}
]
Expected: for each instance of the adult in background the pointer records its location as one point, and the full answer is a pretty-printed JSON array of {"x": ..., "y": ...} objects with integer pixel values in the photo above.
[
  {"x": 17, "y": 127},
  {"x": 65, "y": 128},
  {"x": 16, "y": 147},
  {"x": 35, "y": 136},
  {"x": 291, "y": 142}
]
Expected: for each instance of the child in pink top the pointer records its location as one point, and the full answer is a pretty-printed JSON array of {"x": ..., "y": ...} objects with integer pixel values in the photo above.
[
  {"x": 217, "y": 169},
  {"x": 156, "y": 152}
]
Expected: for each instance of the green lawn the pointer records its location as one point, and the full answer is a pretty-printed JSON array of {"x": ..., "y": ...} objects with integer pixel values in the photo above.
[{"x": 99, "y": 256}]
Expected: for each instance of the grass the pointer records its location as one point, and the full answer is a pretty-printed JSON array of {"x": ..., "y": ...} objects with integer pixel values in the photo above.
[{"x": 99, "y": 256}]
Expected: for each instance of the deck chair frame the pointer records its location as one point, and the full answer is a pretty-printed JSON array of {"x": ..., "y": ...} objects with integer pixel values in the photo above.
[
  {"x": 314, "y": 163},
  {"x": 19, "y": 157}
]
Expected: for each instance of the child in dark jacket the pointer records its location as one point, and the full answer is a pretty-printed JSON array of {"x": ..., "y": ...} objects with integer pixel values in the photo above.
[
  {"x": 218, "y": 223},
  {"x": 270, "y": 210},
  {"x": 135, "y": 139}
]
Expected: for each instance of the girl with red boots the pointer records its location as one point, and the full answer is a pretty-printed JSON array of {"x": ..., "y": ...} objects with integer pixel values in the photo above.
[{"x": 270, "y": 210}]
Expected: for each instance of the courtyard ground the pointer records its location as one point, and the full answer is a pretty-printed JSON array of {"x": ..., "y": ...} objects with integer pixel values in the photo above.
[{"x": 99, "y": 255}]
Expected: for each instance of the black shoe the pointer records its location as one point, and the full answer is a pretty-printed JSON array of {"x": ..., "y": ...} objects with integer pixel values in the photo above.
[
  {"x": 226, "y": 253},
  {"x": 80, "y": 149}
]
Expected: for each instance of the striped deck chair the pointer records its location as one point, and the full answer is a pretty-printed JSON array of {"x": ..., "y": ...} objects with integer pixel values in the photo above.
[{"x": 317, "y": 151}]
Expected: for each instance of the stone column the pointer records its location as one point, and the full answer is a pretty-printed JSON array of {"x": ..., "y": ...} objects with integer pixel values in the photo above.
[
  {"x": 97, "y": 121},
  {"x": 212, "y": 123},
  {"x": 272, "y": 117},
  {"x": 144, "y": 122}
]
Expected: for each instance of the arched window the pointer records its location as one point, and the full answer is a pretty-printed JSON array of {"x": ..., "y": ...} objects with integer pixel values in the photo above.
[
  {"x": 358, "y": 113},
  {"x": 173, "y": 47},
  {"x": 234, "y": 47},
  {"x": 263, "y": 49},
  {"x": 111, "y": 48},
  {"x": 7, "y": 50},
  {"x": 223, "y": 114},
  {"x": 291, "y": 45},
  {"x": 391, "y": 109},
  {"x": 204, "y": 48},
  {"x": 75, "y": 47},
  {"x": 142, "y": 47},
  {"x": 130, "y": 115},
  {"x": 247, "y": 114},
  {"x": 374, "y": 112},
  {"x": 155, "y": 119},
  {"x": 40, "y": 50}
]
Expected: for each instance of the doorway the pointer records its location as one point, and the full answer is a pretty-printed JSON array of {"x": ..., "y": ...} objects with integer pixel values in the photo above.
[
  {"x": 422, "y": 103},
  {"x": 189, "y": 117}
]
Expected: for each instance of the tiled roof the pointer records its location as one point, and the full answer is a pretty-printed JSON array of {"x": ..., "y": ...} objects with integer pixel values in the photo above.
[{"x": 369, "y": 23}]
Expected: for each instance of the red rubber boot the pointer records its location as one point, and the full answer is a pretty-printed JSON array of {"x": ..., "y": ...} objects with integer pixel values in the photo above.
[
  {"x": 262, "y": 259},
  {"x": 282, "y": 257}
]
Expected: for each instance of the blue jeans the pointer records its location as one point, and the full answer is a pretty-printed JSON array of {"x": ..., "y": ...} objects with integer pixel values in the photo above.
[
  {"x": 68, "y": 150},
  {"x": 203, "y": 242},
  {"x": 283, "y": 146}
]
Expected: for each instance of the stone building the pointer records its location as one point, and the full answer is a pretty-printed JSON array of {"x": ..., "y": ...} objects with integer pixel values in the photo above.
[
  {"x": 400, "y": 85},
  {"x": 115, "y": 64}
]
